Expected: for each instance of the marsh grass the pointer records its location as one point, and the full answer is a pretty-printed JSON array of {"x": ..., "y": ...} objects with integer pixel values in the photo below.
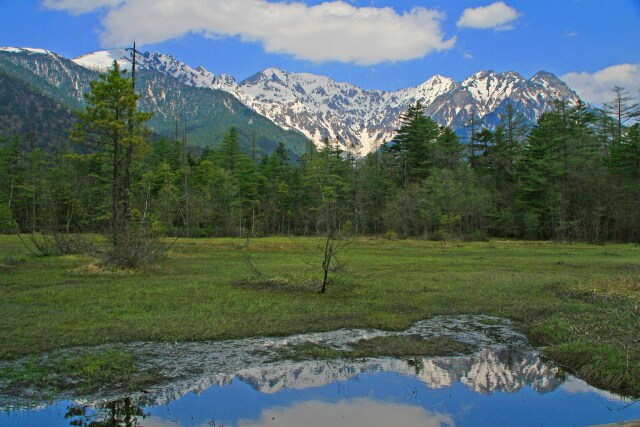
[
  {"x": 390, "y": 346},
  {"x": 312, "y": 351},
  {"x": 203, "y": 291},
  {"x": 403, "y": 346},
  {"x": 10, "y": 261},
  {"x": 79, "y": 372},
  {"x": 283, "y": 284},
  {"x": 602, "y": 365},
  {"x": 599, "y": 339}
]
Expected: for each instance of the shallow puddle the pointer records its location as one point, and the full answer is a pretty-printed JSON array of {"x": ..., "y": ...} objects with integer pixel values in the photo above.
[{"x": 242, "y": 383}]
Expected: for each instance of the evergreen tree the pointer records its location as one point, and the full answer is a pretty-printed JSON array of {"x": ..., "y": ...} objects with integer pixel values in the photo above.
[
  {"x": 559, "y": 168},
  {"x": 625, "y": 166},
  {"x": 111, "y": 122},
  {"x": 11, "y": 180},
  {"x": 447, "y": 153},
  {"x": 242, "y": 170},
  {"x": 415, "y": 142},
  {"x": 622, "y": 108}
]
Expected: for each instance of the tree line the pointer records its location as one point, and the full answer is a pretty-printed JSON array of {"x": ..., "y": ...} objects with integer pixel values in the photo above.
[{"x": 574, "y": 175}]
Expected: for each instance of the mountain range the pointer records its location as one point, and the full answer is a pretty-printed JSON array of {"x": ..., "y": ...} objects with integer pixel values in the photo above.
[
  {"x": 274, "y": 105},
  {"x": 484, "y": 372},
  {"x": 50, "y": 79}
]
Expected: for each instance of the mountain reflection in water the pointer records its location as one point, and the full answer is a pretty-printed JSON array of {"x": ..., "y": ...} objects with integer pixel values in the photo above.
[
  {"x": 246, "y": 383},
  {"x": 483, "y": 372},
  {"x": 491, "y": 388}
]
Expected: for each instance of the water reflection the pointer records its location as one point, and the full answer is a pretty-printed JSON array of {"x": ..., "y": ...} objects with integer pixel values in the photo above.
[
  {"x": 242, "y": 383},
  {"x": 483, "y": 372},
  {"x": 126, "y": 412},
  {"x": 491, "y": 388},
  {"x": 357, "y": 413}
]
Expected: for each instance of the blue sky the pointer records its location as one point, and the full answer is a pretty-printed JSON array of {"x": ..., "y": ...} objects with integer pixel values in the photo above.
[{"x": 376, "y": 44}]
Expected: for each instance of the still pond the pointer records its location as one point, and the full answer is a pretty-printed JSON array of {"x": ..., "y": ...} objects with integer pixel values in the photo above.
[{"x": 242, "y": 383}]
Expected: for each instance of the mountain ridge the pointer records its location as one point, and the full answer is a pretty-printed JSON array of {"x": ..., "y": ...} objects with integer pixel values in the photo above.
[
  {"x": 321, "y": 107},
  {"x": 360, "y": 119},
  {"x": 208, "y": 114}
]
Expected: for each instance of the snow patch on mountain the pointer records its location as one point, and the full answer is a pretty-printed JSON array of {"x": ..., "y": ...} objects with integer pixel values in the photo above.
[
  {"x": 359, "y": 119},
  {"x": 26, "y": 50}
]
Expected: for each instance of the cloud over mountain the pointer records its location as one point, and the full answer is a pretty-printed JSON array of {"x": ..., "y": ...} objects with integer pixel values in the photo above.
[
  {"x": 77, "y": 7},
  {"x": 330, "y": 31},
  {"x": 596, "y": 88},
  {"x": 498, "y": 16}
]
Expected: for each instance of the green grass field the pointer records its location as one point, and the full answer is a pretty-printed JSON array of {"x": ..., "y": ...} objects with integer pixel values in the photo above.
[{"x": 578, "y": 302}]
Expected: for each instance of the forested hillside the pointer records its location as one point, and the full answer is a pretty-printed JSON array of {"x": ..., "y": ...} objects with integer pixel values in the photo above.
[
  {"x": 573, "y": 176},
  {"x": 27, "y": 111},
  {"x": 52, "y": 86}
]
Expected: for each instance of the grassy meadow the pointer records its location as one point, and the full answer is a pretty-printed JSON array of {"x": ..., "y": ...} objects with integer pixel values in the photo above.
[{"x": 577, "y": 302}]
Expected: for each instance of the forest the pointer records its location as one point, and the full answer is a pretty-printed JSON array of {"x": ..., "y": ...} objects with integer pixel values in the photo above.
[{"x": 573, "y": 176}]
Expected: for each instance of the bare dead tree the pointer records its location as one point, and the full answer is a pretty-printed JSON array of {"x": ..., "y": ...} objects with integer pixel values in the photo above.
[
  {"x": 333, "y": 248},
  {"x": 250, "y": 262},
  {"x": 185, "y": 170}
]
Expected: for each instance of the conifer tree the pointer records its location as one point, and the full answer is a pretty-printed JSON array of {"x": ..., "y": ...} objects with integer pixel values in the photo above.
[
  {"x": 111, "y": 122},
  {"x": 415, "y": 142},
  {"x": 622, "y": 108}
]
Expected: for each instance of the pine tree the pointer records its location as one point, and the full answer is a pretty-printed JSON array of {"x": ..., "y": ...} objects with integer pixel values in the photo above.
[
  {"x": 625, "y": 166},
  {"x": 622, "y": 108},
  {"x": 244, "y": 180},
  {"x": 111, "y": 122},
  {"x": 447, "y": 150},
  {"x": 415, "y": 142}
]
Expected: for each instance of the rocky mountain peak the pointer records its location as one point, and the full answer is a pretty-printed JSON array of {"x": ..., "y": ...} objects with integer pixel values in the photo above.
[
  {"x": 320, "y": 107},
  {"x": 27, "y": 50},
  {"x": 102, "y": 60},
  {"x": 548, "y": 79},
  {"x": 227, "y": 79}
]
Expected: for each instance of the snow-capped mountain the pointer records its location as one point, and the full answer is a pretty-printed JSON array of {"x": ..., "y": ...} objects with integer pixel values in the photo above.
[
  {"x": 320, "y": 107},
  {"x": 485, "y": 372},
  {"x": 166, "y": 64},
  {"x": 42, "y": 88},
  {"x": 316, "y": 106},
  {"x": 487, "y": 94}
]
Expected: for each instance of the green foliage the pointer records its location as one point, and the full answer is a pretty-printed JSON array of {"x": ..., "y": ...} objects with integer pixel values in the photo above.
[
  {"x": 419, "y": 146},
  {"x": 7, "y": 224},
  {"x": 559, "y": 170},
  {"x": 403, "y": 346},
  {"x": 573, "y": 176},
  {"x": 391, "y": 346},
  {"x": 112, "y": 122},
  {"x": 568, "y": 178},
  {"x": 82, "y": 372}
]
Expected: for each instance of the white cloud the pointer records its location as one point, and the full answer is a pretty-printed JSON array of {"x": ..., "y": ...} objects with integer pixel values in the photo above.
[
  {"x": 497, "y": 16},
  {"x": 596, "y": 88},
  {"x": 330, "y": 31},
  {"x": 356, "y": 413},
  {"x": 77, "y": 7}
]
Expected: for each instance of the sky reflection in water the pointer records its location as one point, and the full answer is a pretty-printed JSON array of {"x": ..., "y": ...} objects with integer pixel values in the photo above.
[{"x": 490, "y": 388}]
